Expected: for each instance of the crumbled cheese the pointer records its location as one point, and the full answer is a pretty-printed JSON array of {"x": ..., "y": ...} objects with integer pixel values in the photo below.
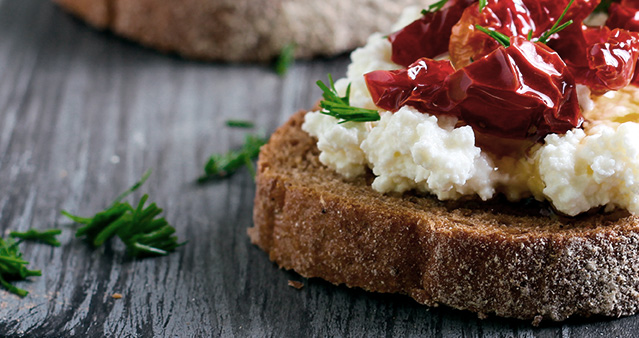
[
  {"x": 410, "y": 150},
  {"x": 581, "y": 171},
  {"x": 339, "y": 143}
]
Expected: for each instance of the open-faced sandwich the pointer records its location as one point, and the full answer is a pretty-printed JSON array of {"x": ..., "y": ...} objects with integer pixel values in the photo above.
[{"x": 484, "y": 156}]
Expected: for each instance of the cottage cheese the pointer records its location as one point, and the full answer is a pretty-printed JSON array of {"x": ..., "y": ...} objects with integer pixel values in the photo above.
[{"x": 407, "y": 150}]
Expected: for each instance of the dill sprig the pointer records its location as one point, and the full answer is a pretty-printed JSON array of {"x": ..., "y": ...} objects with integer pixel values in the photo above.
[
  {"x": 340, "y": 108},
  {"x": 13, "y": 267},
  {"x": 285, "y": 59},
  {"x": 239, "y": 124},
  {"x": 138, "y": 228},
  {"x": 482, "y": 4},
  {"x": 503, "y": 39},
  {"x": 224, "y": 165},
  {"x": 44, "y": 236},
  {"x": 437, "y": 6},
  {"x": 557, "y": 27}
]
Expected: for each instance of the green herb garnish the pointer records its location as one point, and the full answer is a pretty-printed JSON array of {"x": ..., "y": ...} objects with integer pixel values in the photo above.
[
  {"x": 239, "y": 124},
  {"x": 503, "y": 39},
  {"x": 224, "y": 165},
  {"x": 340, "y": 108},
  {"x": 482, "y": 4},
  {"x": 141, "y": 232},
  {"x": 44, "y": 236},
  {"x": 556, "y": 27},
  {"x": 434, "y": 7},
  {"x": 13, "y": 267},
  {"x": 285, "y": 59}
]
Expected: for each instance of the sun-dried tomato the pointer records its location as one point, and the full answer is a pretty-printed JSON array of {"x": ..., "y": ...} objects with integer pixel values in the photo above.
[
  {"x": 416, "y": 85},
  {"x": 600, "y": 58},
  {"x": 512, "y": 18},
  {"x": 524, "y": 91},
  {"x": 427, "y": 36},
  {"x": 623, "y": 16}
]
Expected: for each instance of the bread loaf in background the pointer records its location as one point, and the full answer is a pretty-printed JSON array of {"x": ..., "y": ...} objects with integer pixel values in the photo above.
[{"x": 241, "y": 30}]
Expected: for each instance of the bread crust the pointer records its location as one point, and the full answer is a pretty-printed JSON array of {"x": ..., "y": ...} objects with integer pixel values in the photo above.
[
  {"x": 513, "y": 260},
  {"x": 234, "y": 30}
]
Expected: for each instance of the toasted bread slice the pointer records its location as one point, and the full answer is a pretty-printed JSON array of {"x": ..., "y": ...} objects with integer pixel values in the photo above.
[{"x": 514, "y": 260}]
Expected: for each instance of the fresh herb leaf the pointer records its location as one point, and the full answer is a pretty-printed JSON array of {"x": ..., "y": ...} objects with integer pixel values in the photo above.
[
  {"x": 44, "y": 236},
  {"x": 13, "y": 267},
  {"x": 138, "y": 228},
  {"x": 482, "y": 4},
  {"x": 437, "y": 6},
  {"x": 503, "y": 39},
  {"x": 340, "y": 108},
  {"x": 224, "y": 165},
  {"x": 239, "y": 124},
  {"x": 285, "y": 59},
  {"x": 557, "y": 27}
]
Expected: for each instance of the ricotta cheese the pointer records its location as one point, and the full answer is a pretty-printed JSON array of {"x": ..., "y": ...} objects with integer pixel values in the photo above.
[{"x": 408, "y": 150}]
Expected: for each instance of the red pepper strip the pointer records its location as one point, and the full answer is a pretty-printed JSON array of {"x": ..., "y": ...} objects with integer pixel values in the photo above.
[
  {"x": 427, "y": 36},
  {"x": 416, "y": 85},
  {"x": 524, "y": 91}
]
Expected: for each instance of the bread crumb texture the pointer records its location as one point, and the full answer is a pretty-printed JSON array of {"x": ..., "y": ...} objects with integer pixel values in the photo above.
[{"x": 513, "y": 260}]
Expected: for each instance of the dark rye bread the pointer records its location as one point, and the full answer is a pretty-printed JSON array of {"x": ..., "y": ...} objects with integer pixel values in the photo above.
[
  {"x": 242, "y": 30},
  {"x": 513, "y": 260}
]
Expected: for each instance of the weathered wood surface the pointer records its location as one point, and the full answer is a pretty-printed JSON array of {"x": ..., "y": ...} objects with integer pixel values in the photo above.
[{"x": 83, "y": 114}]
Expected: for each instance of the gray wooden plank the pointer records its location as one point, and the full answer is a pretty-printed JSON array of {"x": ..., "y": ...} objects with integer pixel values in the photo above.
[{"x": 83, "y": 114}]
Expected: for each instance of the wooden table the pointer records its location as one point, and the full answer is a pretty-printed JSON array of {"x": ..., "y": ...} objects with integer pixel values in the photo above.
[{"x": 83, "y": 114}]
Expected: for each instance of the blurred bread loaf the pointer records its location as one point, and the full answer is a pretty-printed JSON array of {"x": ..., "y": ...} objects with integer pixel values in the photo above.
[{"x": 240, "y": 30}]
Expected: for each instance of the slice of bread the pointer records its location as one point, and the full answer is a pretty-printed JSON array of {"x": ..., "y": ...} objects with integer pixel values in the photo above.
[
  {"x": 242, "y": 30},
  {"x": 514, "y": 260}
]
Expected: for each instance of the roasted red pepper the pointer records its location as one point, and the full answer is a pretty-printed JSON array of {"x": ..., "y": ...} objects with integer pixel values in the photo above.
[
  {"x": 524, "y": 91},
  {"x": 427, "y": 36}
]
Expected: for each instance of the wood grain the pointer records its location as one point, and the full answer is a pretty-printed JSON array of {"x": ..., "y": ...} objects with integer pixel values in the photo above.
[{"x": 84, "y": 114}]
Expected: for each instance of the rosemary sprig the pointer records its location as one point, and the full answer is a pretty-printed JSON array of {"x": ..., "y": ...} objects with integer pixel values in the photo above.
[
  {"x": 143, "y": 234},
  {"x": 285, "y": 59},
  {"x": 340, "y": 108},
  {"x": 44, "y": 236},
  {"x": 437, "y": 6},
  {"x": 557, "y": 27},
  {"x": 224, "y": 165},
  {"x": 13, "y": 267}
]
